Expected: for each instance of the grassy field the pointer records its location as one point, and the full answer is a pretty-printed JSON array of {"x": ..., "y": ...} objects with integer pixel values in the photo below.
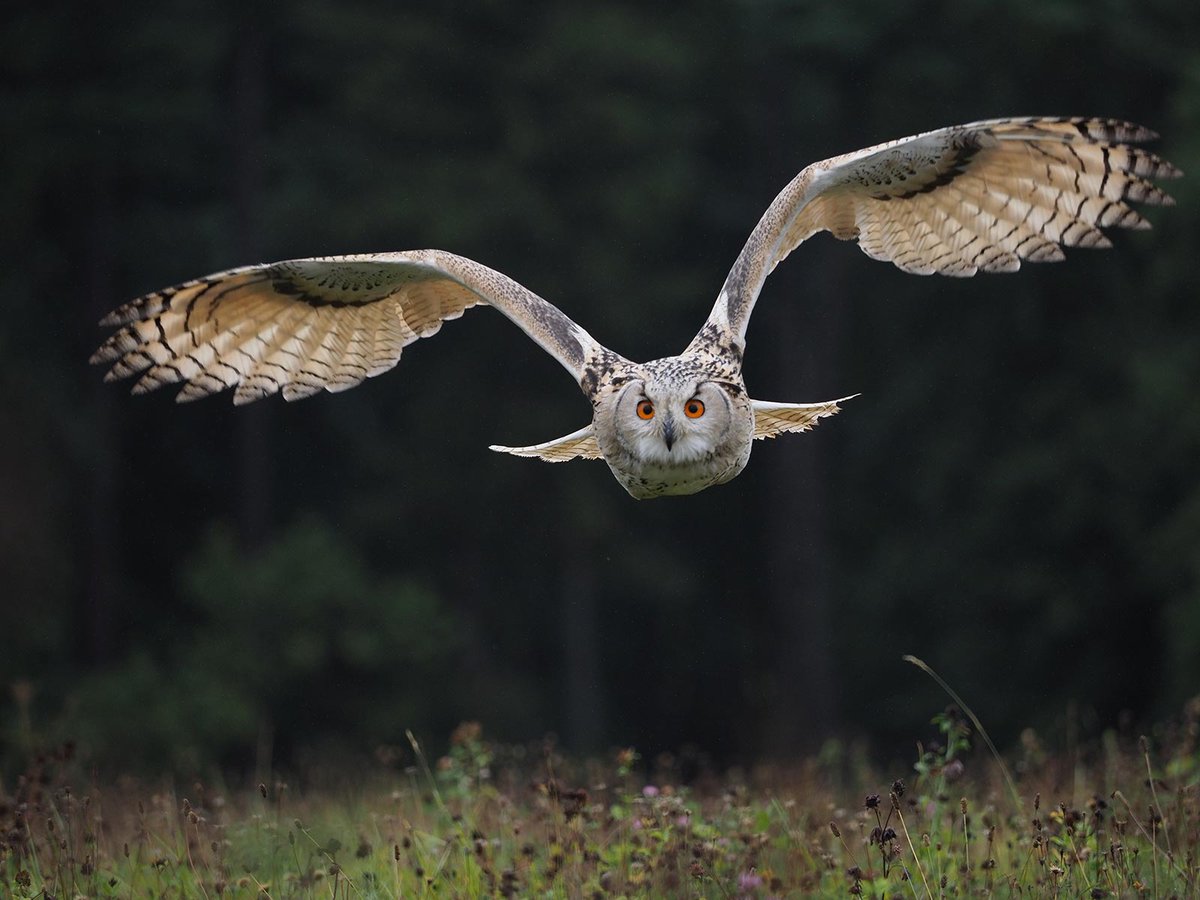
[{"x": 1119, "y": 818}]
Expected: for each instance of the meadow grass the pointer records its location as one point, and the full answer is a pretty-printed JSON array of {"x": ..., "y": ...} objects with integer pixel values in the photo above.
[{"x": 1118, "y": 818}]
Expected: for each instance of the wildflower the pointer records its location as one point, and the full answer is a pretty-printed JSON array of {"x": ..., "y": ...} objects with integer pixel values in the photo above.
[
  {"x": 466, "y": 733},
  {"x": 872, "y": 801},
  {"x": 626, "y": 759},
  {"x": 748, "y": 881},
  {"x": 649, "y": 791}
]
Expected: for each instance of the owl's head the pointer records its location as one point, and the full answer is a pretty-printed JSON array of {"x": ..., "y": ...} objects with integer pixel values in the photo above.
[{"x": 674, "y": 421}]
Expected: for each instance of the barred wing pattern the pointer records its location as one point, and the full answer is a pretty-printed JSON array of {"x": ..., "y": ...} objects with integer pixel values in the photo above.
[
  {"x": 772, "y": 419},
  {"x": 300, "y": 326},
  {"x": 969, "y": 198},
  {"x": 579, "y": 444}
]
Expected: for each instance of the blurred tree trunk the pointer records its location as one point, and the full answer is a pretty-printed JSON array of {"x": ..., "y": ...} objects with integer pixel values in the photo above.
[
  {"x": 584, "y": 693},
  {"x": 797, "y": 548},
  {"x": 253, "y": 422},
  {"x": 99, "y": 591}
]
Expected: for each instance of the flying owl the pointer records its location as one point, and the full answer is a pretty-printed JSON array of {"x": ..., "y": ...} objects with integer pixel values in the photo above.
[{"x": 955, "y": 201}]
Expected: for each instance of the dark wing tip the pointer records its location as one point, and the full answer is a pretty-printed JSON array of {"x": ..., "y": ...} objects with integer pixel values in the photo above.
[
  {"x": 1116, "y": 131},
  {"x": 116, "y": 318}
]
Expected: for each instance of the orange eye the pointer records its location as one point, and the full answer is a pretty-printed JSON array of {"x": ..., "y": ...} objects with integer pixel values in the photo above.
[
  {"x": 645, "y": 410},
  {"x": 693, "y": 408}
]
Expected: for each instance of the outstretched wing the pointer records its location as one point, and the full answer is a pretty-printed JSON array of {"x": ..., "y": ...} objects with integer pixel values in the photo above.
[
  {"x": 579, "y": 444},
  {"x": 771, "y": 419},
  {"x": 958, "y": 200},
  {"x": 299, "y": 326}
]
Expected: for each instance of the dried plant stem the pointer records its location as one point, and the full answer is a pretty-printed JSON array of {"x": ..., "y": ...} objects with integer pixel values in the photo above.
[
  {"x": 837, "y": 833},
  {"x": 191, "y": 862},
  {"x": 1145, "y": 747},
  {"x": 924, "y": 667},
  {"x": 911, "y": 846},
  {"x": 433, "y": 787},
  {"x": 962, "y": 805},
  {"x": 1148, "y": 836},
  {"x": 1077, "y": 863}
]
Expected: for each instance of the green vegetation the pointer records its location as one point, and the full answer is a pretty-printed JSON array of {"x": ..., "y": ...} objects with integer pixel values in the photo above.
[
  {"x": 268, "y": 635},
  {"x": 1117, "y": 819},
  {"x": 1023, "y": 455}
]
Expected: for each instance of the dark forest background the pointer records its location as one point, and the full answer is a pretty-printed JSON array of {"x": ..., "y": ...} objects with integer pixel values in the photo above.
[{"x": 1015, "y": 497}]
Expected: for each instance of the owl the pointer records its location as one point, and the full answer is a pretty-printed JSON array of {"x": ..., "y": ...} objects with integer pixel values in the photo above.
[{"x": 955, "y": 201}]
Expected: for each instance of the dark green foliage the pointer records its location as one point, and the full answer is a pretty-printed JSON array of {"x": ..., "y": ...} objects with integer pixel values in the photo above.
[{"x": 300, "y": 640}]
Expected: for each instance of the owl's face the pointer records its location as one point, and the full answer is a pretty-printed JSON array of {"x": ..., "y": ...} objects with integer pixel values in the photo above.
[
  {"x": 670, "y": 428},
  {"x": 673, "y": 426},
  {"x": 673, "y": 423}
]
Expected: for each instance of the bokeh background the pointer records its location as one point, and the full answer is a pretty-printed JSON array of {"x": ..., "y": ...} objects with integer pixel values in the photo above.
[{"x": 1015, "y": 497}]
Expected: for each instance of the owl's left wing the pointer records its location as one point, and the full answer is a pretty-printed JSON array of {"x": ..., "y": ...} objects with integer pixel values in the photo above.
[
  {"x": 304, "y": 325},
  {"x": 977, "y": 197},
  {"x": 772, "y": 419}
]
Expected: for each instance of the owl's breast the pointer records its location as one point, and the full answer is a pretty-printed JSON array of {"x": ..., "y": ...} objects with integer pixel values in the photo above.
[{"x": 646, "y": 479}]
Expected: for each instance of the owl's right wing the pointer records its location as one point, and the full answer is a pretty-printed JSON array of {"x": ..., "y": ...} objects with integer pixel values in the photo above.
[
  {"x": 304, "y": 325},
  {"x": 579, "y": 444}
]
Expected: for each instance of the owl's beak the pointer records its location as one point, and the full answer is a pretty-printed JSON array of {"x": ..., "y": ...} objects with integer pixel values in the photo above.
[{"x": 668, "y": 432}]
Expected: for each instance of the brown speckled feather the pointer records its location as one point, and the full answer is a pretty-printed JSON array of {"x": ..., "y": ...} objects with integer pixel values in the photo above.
[
  {"x": 579, "y": 444},
  {"x": 304, "y": 325},
  {"x": 959, "y": 200},
  {"x": 773, "y": 419}
]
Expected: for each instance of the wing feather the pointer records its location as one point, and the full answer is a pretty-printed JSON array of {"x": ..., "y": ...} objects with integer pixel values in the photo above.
[
  {"x": 579, "y": 444},
  {"x": 977, "y": 197},
  {"x": 301, "y": 326},
  {"x": 772, "y": 419}
]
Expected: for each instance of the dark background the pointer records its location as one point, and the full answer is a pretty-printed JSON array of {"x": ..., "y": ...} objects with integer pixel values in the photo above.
[{"x": 1015, "y": 496}]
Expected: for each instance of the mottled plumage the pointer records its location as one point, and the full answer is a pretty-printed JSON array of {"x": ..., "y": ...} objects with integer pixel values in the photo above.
[{"x": 978, "y": 197}]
